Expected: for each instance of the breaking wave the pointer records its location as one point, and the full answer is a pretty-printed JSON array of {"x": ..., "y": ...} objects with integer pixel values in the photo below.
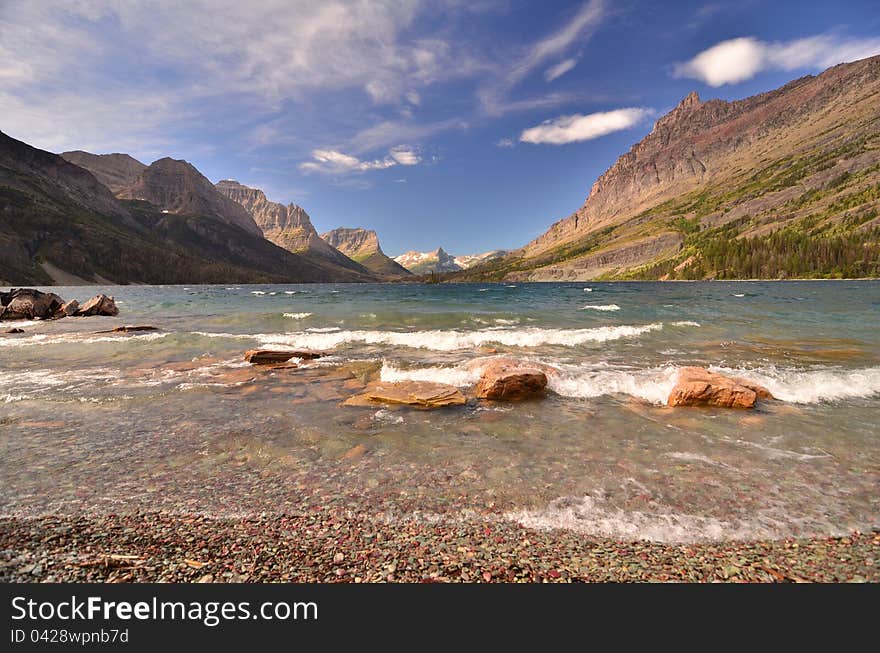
[
  {"x": 453, "y": 340},
  {"x": 812, "y": 386},
  {"x": 600, "y": 307}
]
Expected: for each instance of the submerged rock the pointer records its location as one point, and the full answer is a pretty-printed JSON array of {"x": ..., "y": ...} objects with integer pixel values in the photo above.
[
  {"x": 98, "y": 305},
  {"x": 423, "y": 394},
  {"x": 14, "y": 331},
  {"x": 129, "y": 329},
  {"x": 697, "y": 386},
  {"x": 511, "y": 380},
  {"x": 29, "y": 304},
  {"x": 272, "y": 356}
]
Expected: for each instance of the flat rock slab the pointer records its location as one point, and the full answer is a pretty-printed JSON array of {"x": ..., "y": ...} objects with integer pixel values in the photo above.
[
  {"x": 510, "y": 380},
  {"x": 130, "y": 329},
  {"x": 272, "y": 356},
  {"x": 697, "y": 386},
  {"x": 422, "y": 394}
]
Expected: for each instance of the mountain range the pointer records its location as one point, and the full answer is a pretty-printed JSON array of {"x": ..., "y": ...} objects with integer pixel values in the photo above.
[
  {"x": 439, "y": 261},
  {"x": 781, "y": 184}
]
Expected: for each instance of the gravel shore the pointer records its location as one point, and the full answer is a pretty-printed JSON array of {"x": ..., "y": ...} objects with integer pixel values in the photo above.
[{"x": 330, "y": 546}]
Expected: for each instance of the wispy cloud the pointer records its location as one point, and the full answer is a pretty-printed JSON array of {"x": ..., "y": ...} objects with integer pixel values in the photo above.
[
  {"x": 495, "y": 97},
  {"x": 557, "y": 71},
  {"x": 337, "y": 163},
  {"x": 740, "y": 59},
  {"x": 578, "y": 127},
  {"x": 505, "y": 142}
]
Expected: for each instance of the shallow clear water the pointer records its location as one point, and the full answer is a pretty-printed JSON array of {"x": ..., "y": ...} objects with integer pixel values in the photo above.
[{"x": 175, "y": 420}]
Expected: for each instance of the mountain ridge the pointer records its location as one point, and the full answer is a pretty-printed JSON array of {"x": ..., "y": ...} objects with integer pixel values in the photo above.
[{"x": 711, "y": 170}]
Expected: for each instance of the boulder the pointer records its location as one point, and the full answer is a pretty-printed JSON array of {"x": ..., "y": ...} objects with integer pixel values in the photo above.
[
  {"x": 511, "y": 380},
  {"x": 98, "y": 305},
  {"x": 29, "y": 304},
  {"x": 69, "y": 308},
  {"x": 14, "y": 331},
  {"x": 697, "y": 386},
  {"x": 272, "y": 356},
  {"x": 422, "y": 394}
]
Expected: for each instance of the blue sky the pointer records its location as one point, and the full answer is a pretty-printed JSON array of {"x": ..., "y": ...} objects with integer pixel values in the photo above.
[{"x": 468, "y": 124}]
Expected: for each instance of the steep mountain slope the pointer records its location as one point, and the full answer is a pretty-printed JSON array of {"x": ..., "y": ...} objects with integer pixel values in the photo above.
[
  {"x": 175, "y": 186},
  {"x": 786, "y": 183},
  {"x": 115, "y": 171},
  {"x": 289, "y": 227},
  {"x": 427, "y": 262},
  {"x": 59, "y": 224},
  {"x": 362, "y": 245}
]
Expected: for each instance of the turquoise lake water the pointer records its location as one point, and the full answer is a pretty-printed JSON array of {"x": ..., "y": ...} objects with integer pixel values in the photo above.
[{"x": 175, "y": 419}]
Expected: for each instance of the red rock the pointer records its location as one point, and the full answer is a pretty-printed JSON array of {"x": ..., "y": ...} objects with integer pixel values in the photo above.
[
  {"x": 423, "y": 394},
  {"x": 700, "y": 387},
  {"x": 510, "y": 380}
]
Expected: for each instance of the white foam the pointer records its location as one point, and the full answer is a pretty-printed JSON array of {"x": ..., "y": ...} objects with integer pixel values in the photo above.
[
  {"x": 601, "y": 307},
  {"x": 257, "y": 292},
  {"x": 588, "y": 290},
  {"x": 739, "y": 294},
  {"x": 686, "y": 323},
  {"x": 323, "y": 329},
  {"x": 502, "y": 321},
  {"x": 596, "y": 516},
  {"x": 452, "y": 340},
  {"x": 462, "y": 375},
  {"x": 588, "y": 381},
  {"x": 297, "y": 316},
  {"x": 812, "y": 386},
  {"x": 77, "y": 338}
]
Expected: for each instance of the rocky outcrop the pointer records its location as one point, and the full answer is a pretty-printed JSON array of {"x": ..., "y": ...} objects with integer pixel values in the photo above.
[
  {"x": 288, "y": 226},
  {"x": 273, "y": 356},
  {"x": 175, "y": 186},
  {"x": 697, "y": 386},
  {"x": 98, "y": 305},
  {"x": 29, "y": 304},
  {"x": 116, "y": 171},
  {"x": 427, "y": 262},
  {"x": 362, "y": 245},
  {"x": 510, "y": 380},
  {"x": 421, "y": 394}
]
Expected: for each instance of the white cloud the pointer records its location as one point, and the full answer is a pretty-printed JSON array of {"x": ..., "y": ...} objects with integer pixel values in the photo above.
[
  {"x": 334, "y": 162},
  {"x": 210, "y": 59},
  {"x": 737, "y": 60},
  {"x": 405, "y": 156},
  {"x": 505, "y": 142},
  {"x": 578, "y": 127},
  {"x": 557, "y": 71}
]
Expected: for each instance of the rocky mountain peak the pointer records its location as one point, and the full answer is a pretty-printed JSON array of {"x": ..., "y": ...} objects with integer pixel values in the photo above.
[
  {"x": 116, "y": 171},
  {"x": 176, "y": 186}
]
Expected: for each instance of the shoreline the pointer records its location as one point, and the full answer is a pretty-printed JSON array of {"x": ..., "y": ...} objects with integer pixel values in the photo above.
[{"x": 329, "y": 545}]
